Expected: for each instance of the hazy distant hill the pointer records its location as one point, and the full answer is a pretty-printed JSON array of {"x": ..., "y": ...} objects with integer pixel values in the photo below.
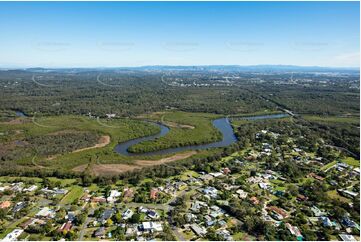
[{"x": 227, "y": 68}]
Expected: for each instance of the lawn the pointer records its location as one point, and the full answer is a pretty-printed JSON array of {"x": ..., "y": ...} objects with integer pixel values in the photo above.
[
  {"x": 75, "y": 193},
  {"x": 334, "y": 195},
  {"x": 258, "y": 113},
  {"x": 351, "y": 161},
  {"x": 327, "y": 166},
  {"x": 64, "y": 182},
  {"x": 5, "y": 232},
  {"x": 187, "y": 174}
]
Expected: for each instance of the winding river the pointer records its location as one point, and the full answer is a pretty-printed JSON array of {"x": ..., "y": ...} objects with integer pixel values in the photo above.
[
  {"x": 222, "y": 124},
  {"x": 266, "y": 116}
]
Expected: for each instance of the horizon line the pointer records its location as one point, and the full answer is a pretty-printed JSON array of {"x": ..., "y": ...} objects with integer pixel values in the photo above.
[{"x": 164, "y": 65}]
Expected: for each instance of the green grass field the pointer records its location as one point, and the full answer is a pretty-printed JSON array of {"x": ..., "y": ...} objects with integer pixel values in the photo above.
[
  {"x": 75, "y": 193},
  {"x": 351, "y": 161},
  {"x": 332, "y": 119},
  {"x": 327, "y": 166}
]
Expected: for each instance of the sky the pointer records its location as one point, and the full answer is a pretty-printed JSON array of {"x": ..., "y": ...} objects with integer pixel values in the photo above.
[{"x": 116, "y": 34}]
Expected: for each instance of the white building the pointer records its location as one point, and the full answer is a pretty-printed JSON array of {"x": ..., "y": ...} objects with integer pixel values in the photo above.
[
  {"x": 114, "y": 194},
  {"x": 46, "y": 212},
  {"x": 347, "y": 237},
  {"x": 31, "y": 188},
  {"x": 127, "y": 214},
  {"x": 242, "y": 194},
  {"x": 13, "y": 235},
  {"x": 152, "y": 226}
]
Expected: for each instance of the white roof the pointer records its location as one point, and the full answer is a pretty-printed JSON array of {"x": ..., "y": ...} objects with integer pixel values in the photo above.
[
  {"x": 45, "y": 212},
  {"x": 152, "y": 225},
  {"x": 13, "y": 235},
  {"x": 347, "y": 237}
]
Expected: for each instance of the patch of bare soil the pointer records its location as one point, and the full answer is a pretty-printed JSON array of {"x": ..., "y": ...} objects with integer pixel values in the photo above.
[
  {"x": 17, "y": 121},
  {"x": 103, "y": 141},
  {"x": 113, "y": 169},
  {"x": 177, "y": 125}
]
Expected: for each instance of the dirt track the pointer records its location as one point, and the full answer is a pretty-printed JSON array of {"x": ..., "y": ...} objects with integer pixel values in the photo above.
[
  {"x": 103, "y": 141},
  {"x": 113, "y": 169}
]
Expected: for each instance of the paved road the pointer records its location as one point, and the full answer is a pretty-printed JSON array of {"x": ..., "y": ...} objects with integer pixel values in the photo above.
[
  {"x": 343, "y": 149},
  {"x": 85, "y": 224}
]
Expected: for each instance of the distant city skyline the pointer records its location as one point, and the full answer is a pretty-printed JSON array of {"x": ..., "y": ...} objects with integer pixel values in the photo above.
[{"x": 122, "y": 34}]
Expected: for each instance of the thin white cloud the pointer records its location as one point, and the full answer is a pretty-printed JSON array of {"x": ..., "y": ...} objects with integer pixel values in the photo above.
[{"x": 347, "y": 59}]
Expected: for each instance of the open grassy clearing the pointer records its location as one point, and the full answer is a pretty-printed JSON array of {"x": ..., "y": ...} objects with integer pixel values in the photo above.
[
  {"x": 351, "y": 161},
  {"x": 73, "y": 195},
  {"x": 239, "y": 122},
  {"x": 334, "y": 195},
  {"x": 333, "y": 119},
  {"x": 258, "y": 113},
  {"x": 328, "y": 166}
]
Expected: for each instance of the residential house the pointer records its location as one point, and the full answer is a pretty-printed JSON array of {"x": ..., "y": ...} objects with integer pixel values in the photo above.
[
  {"x": 100, "y": 233},
  {"x": 216, "y": 174},
  {"x": 152, "y": 214},
  {"x": 128, "y": 193},
  {"x": 65, "y": 227},
  {"x": 225, "y": 234},
  {"x": 98, "y": 200},
  {"x": 107, "y": 214},
  {"x": 46, "y": 213},
  {"x": 114, "y": 194},
  {"x": 198, "y": 230},
  {"x": 211, "y": 191},
  {"x": 294, "y": 231},
  {"x": 31, "y": 188},
  {"x": 317, "y": 212},
  {"x": 13, "y": 235},
  {"x": 242, "y": 194},
  {"x": 278, "y": 213},
  {"x": 263, "y": 185},
  {"x": 326, "y": 222},
  {"x": 127, "y": 214},
  {"x": 348, "y": 223},
  {"x": 152, "y": 226},
  {"x": 347, "y": 193},
  {"x": 317, "y": 177},
  {"x": 18, "y": 206},
  {"x": 347, "y": 237},
  {"x": 196, "y": 206},
  {"x": 153, "y": 193}
]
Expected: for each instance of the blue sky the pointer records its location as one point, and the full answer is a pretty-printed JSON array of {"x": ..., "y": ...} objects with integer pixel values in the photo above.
[{"x": 110, "y": 34}]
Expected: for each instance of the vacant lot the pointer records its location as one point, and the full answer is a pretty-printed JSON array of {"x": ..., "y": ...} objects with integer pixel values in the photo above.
[{"x": 73, "y": 195}]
